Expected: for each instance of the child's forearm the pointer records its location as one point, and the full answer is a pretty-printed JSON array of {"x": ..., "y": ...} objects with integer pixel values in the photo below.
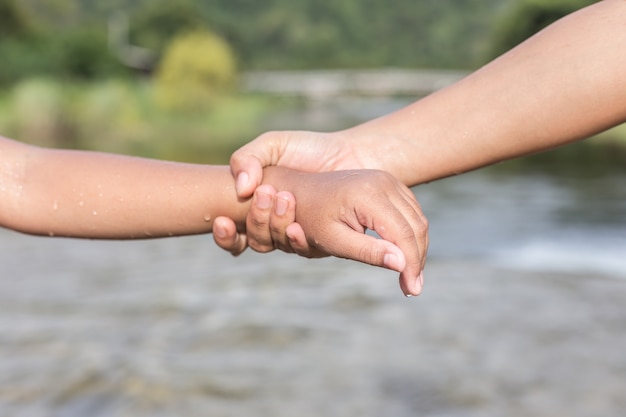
[{"x": 104, "y": 196}]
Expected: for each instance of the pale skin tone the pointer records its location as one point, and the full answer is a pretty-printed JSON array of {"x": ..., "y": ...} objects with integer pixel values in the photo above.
[
  {"x": 105, "y": 196},
  {"x": 564, "y": 84}
]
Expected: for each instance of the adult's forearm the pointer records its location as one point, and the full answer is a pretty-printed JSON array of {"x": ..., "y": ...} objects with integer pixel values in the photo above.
[{"x": 564, "y": 84}]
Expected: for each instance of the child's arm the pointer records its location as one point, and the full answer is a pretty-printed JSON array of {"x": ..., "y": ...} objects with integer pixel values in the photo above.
[{"x": 106, "y": 196}]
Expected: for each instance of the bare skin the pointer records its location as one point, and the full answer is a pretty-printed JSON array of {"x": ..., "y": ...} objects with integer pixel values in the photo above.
[
  {"x": 104, "y": 196},
  {"x": 564, "y": 84}
]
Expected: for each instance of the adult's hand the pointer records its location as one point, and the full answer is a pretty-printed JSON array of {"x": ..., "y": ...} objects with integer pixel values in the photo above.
[
  {"x": 300, "y": 150},
  {"x": 270, "y": 223}
]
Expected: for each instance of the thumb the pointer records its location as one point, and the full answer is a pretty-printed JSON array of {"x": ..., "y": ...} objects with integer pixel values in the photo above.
[
  {"x": 247, "y": 163},
  {"x": 248, "y": 173},
  {"x": 351, "y": 244}
]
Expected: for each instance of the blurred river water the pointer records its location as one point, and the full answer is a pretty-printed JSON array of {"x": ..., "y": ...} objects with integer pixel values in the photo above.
[{"x": 523, "y": 313}]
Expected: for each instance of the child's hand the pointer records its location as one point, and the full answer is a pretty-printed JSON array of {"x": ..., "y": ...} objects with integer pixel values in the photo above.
[
  {"x": 270, "y": 225},
  {"x": 334, "y": 209}
]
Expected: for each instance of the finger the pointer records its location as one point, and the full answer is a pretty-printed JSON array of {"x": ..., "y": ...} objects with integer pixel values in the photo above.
[
  {"x": 299, "y": 244},
  {"x": 352, "y": 244},
  {"x": 403, "y": 227},
  {"x": 365, "y": 248},
  {"x": 283, "y": 214},
  {"x": 421, "y": 232},
  {"x": 258, "y": 219},
  {"x": 226, "y": 236},
  {"x": 247, "y": 163}
]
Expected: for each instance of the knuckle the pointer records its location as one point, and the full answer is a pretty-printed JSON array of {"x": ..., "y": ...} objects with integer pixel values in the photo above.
[
  {"x": 260, "y": 247},
  {"x": 372, "y": 256},
  {"x": 258, "y": 223},
  {"x": 424, "y": 227}
]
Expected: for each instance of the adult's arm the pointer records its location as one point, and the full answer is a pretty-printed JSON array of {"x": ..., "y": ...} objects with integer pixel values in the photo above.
[{"x": 564, "y": 84}]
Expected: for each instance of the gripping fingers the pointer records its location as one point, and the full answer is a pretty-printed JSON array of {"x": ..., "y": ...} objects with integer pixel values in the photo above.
[
  {"x": 247, "y": 171},
  {"x": 406, "y": 228},
  {"x": 420, "y": 226},
  {"x": 258, "y": 219},
  {"x": 283, "y": 214},
  {"x": 299, "y": 244},
  {"x": 226, "y": 236}
]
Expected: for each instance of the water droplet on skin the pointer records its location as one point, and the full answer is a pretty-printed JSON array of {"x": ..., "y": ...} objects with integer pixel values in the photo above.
[
  {"x": 80, "y": 203},
  {"x": 95, "y": 213}
]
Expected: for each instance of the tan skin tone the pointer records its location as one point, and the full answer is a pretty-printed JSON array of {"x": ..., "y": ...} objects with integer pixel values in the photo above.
[
  {"x": 564, "y": 84},
  {"x": 104, "y": 196}
]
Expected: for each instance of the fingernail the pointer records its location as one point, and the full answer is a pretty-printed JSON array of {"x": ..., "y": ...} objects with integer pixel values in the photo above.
[
  {"x": 392, "y": 261},
  {"x": 242, "y": 182},
  {"x": 418, "y": 289},
  {"x": 281, "y": 206},
  {"x": 419, "y": 284},
  {"x": 263, "y": 201},
  {"x": 219, "y": 231},
  {"x": 292, "y": 239}
]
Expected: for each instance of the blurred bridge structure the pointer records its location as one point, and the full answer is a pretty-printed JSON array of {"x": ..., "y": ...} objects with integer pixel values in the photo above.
[{"x": 321, "y": 84}]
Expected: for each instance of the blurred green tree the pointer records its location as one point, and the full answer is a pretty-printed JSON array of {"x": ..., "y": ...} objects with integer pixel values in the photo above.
[
  {"x": 13, "y": 21},
  {"x": 528, "y": 17},
  {"x": 83, "y": 54},
  {"x": 197, "y": 67},
  {"x": 156, "y": 23}
]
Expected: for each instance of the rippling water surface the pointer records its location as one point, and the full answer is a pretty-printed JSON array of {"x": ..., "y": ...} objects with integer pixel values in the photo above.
[{"x": 523, "y": 314}]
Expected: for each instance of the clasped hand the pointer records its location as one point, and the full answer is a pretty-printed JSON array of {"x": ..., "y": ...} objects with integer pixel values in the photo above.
[{"x": 329, "y": 213}]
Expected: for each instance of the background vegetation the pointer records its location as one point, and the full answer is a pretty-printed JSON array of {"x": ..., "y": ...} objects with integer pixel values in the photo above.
[{"x": 158, "y": 78}]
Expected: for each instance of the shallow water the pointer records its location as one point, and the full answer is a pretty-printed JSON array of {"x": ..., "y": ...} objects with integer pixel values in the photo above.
[{"x": 523, "y": 313}]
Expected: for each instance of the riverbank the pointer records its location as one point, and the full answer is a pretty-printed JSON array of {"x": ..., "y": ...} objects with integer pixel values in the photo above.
[{"x": 122, "y": 116}]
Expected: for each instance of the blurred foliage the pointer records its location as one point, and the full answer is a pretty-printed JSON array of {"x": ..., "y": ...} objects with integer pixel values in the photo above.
[
  {"x": 31, "y": 50},
  {"x": 354, "y": 33},
  {"x": 69, "y": 37},
  {"x": 121, "y": 116},
  {"x": 39, "y": 111},
  {"x": 264, "y": 35},
  {"x": 528, "y": 17},
  {"x": 160, "y": 21},
  {"x": 61, "y": 84},
  {"x": 197, "y": 67},
  {"x": 82, "y": 54},
  {"x": 13, "y": 22}
]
